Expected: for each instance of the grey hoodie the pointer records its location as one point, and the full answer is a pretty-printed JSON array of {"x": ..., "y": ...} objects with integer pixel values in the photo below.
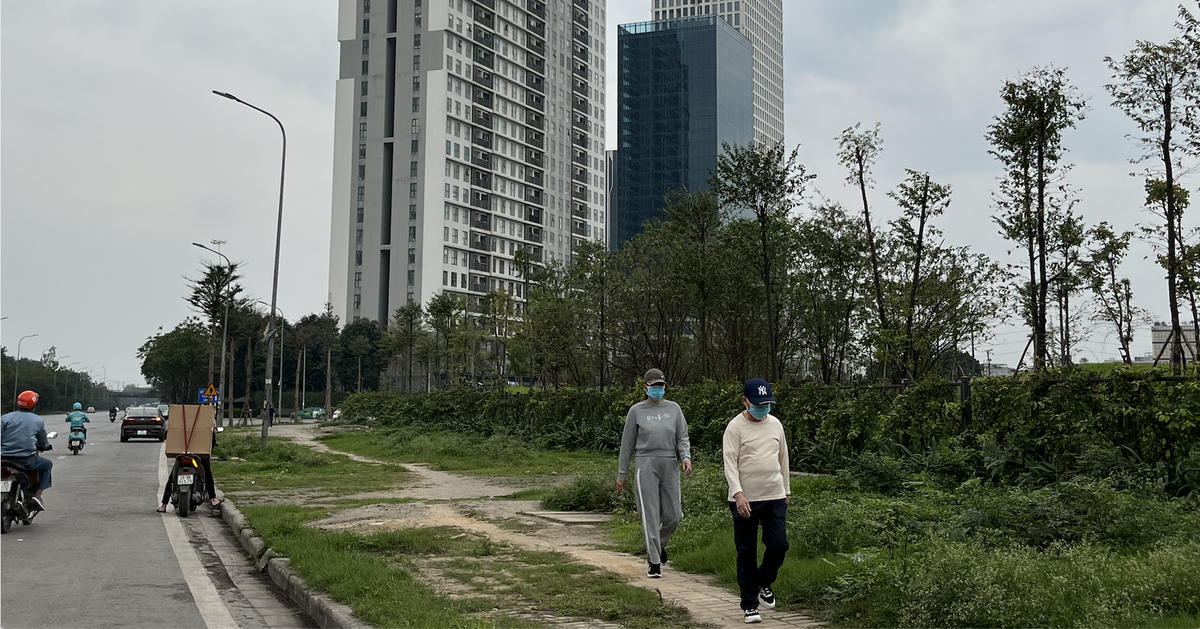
[{"x": 653, "y": 429}]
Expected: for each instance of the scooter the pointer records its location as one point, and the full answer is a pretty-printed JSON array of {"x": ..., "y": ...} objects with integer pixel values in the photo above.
[
  {"x": 112, "y": 416},
  {"x": 190, "y": 491},
  {"x": 15, "y": 483},
  {"x": 77, "y": 440}
]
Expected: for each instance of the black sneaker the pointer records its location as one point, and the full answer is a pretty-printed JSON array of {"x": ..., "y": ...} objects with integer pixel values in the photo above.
[
  {"x": 751, "y": 615},
  {"x": 662, "y": 557},
  {"x": 35, "y": 504},
  {"x": 655, "y": 571},
  {"x": 766, "y": 597}
]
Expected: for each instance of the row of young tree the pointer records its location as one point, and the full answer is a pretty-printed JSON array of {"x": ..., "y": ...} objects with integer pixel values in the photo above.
[
  {"x": 755, "y": 277},
  {"x": 315, "y": 353},
  {"x": 57, "y": 385},
  {"x": 752, "y": 277}
]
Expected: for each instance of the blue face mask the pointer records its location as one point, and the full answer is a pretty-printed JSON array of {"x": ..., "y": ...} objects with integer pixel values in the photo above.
[
  {"x": 760, "y": 411},
  {"x": 656, "y": 392}
]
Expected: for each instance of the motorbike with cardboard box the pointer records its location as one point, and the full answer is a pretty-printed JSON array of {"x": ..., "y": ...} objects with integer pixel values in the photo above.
[{"x": 190, "y": 437}]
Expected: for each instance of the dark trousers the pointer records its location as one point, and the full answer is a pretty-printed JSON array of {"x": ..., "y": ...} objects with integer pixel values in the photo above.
[
  {"x": 42, "y": 466},
  {"x": 772, "y": 515}
]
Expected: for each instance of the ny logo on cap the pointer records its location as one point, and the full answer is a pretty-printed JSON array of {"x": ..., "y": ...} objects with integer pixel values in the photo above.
[{"x": 762, "y": 390}]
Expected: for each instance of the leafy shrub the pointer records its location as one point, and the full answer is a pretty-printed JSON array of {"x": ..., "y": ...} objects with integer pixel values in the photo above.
[
  {"x": 949, "y": 584},
  {"x": 875, "y": 472},
  {"x": 278, "y": 453},
  {"x": 590, "y": 492},
  {"x": 1032, "y": 429}
]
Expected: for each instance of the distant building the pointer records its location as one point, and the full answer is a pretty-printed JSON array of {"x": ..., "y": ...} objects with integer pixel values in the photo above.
[
  {"x": 761, "y": 21},
  {"x": 997, "y": 369},
  {"x": 465, "y": 131},
  {"x": 685, "y": 87},
  {"x": 1159, "y": 334}
]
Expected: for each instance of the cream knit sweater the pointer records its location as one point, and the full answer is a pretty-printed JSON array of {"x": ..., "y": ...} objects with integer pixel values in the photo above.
[{"x": 756, "y": 458}]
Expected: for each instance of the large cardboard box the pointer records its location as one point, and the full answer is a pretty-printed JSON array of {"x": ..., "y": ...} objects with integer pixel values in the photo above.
[{"x": 191, "y": 424}]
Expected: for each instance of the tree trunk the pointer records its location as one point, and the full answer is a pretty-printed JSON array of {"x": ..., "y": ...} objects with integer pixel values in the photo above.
[
  {"x": 766, "y": 274},
  {"x": 1039, "y": 351},
  {"x": 875, "y": 276},
  {"x": 296, "y": 396},
  {"x": 360, "y": 374},
  {"x": 249, "y": 408},
  {"x": 212, "y": 351},
  {"x": 328, "y": 380},
  {"x": 910, "y": 358},
  {"x": 1172, "y": 262}
]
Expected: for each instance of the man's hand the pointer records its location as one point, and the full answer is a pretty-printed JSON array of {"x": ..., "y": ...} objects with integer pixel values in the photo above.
[
  {"x": 687, "y": 467},
  {"x": 620, "y": 485},
  {"x": 743, "y": 505}
]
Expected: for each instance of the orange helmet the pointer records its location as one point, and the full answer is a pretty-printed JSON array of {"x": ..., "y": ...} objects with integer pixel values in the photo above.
[{"x": 27, "y": 400}]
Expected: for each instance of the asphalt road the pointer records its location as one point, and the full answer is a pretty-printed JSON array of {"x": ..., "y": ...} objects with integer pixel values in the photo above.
[{"x": 99, "y": 556}]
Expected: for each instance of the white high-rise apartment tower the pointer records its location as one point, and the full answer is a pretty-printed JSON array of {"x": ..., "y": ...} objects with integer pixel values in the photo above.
[
  {"x": 466, "y": 131},
  {"x": 761, "y": 21}
]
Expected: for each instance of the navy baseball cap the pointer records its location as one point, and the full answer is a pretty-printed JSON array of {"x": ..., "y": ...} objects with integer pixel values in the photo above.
[{"x": 758, "y": 391}]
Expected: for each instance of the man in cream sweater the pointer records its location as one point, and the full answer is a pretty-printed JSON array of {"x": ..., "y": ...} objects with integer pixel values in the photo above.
[{"x": 756, "y": 467}]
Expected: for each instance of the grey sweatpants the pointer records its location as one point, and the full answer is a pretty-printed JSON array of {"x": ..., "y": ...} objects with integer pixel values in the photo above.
[{"x": 656, "y": 489}]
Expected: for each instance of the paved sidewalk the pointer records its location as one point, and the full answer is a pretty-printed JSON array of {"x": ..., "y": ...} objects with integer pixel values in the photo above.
[
  {"x": 252, "y": 599},
  {"x": 706, "y": 601}
]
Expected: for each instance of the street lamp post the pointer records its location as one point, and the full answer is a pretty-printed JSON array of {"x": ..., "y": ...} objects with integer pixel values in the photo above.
[
  {"x": 278, "y": 237},
  {"x": 17, "y": 369},
  {"x": 224, "y": 329},
  {"x": 283, "y": 317}
]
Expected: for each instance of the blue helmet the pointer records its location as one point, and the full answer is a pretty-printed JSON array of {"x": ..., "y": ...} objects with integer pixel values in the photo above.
[{"x": 78, "y": 406}]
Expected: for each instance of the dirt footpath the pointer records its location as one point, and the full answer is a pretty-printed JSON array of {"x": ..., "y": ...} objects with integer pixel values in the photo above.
[{"x": 469, "y": 503}]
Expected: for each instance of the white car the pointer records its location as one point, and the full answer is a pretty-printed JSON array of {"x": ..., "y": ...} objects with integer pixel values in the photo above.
[{"x": 91, "y": 409}]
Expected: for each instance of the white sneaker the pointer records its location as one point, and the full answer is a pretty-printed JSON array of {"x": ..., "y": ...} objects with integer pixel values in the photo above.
[
  {"x": 766, "y": 598},
  {"x": 752, "y": 616}
]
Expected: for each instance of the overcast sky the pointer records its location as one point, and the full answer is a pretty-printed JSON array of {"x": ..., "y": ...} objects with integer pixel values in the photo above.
[{"x": 115, "y": 156}]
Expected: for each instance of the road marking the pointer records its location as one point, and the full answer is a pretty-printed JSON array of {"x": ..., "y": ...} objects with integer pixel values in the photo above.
[
  {"x": 204, "y": 593},
  {"x": 64, "y": 456}
]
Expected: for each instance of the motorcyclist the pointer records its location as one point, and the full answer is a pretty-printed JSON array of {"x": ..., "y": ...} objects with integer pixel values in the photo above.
[
  {"x": 112, "y": 414},
  {"x": 209, "y": 485},
  {"x": 78, "y": 418},
  {"x": 22, "y": 436}
]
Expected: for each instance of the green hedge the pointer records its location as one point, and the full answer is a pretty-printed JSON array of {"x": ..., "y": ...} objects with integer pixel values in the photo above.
[{"x": 1046, "y": 423}]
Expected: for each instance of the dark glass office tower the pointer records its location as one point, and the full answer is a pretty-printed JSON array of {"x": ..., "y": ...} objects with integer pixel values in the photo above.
[{"x": 685, "y": 87}]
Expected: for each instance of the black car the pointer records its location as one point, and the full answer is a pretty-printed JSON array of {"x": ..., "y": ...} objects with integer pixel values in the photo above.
[{"x": 143, "y": 422}]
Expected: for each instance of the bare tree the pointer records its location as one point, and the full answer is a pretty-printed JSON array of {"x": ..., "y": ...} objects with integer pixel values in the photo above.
[
  {"x": 768, "y": 182},
  {"x": 1158, "y": 87}
]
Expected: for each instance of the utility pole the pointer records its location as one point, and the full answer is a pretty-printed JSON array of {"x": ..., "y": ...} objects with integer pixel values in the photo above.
[{"x": 989, "y": 355}]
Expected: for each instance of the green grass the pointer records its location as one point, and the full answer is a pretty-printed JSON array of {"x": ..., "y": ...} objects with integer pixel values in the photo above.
[
  {"x": 1082, "y": 553},
  {"x": 550, "y": 581},
  {"x": 361, "y": 571},
  {"x": 375, "y": 576},
  {"x": 498, "y": 455},
  {"x": 285, "y": 465},
  {"x": 1107, "y": 368}
]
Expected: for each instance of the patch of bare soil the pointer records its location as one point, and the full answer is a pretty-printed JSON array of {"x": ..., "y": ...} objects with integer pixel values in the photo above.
[
  {"x": 428, "y": 485},
  {"x": 470, "y": 510}
]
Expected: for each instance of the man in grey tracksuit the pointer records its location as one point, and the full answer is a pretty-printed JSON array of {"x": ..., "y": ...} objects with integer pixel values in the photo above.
[{"x": 655, "y": 431}]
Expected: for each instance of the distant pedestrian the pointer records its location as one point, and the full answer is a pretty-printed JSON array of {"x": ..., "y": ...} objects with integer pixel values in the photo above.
[
  {"x": 756, "y": 467},
  {"x": 271, "y": 416},
  {"x": 655, "y": 432}
]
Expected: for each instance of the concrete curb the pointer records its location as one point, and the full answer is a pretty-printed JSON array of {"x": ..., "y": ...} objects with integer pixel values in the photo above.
[{"x": 324, "y": 611}]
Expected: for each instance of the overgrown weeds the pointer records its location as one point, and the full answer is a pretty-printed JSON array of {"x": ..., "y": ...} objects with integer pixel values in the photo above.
[
  {"x": 928, "y": 556},
  {"x": 379, "y": 576},
  {"x": 239, "y": 465},
  {"x": 499, "y": 454}
]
